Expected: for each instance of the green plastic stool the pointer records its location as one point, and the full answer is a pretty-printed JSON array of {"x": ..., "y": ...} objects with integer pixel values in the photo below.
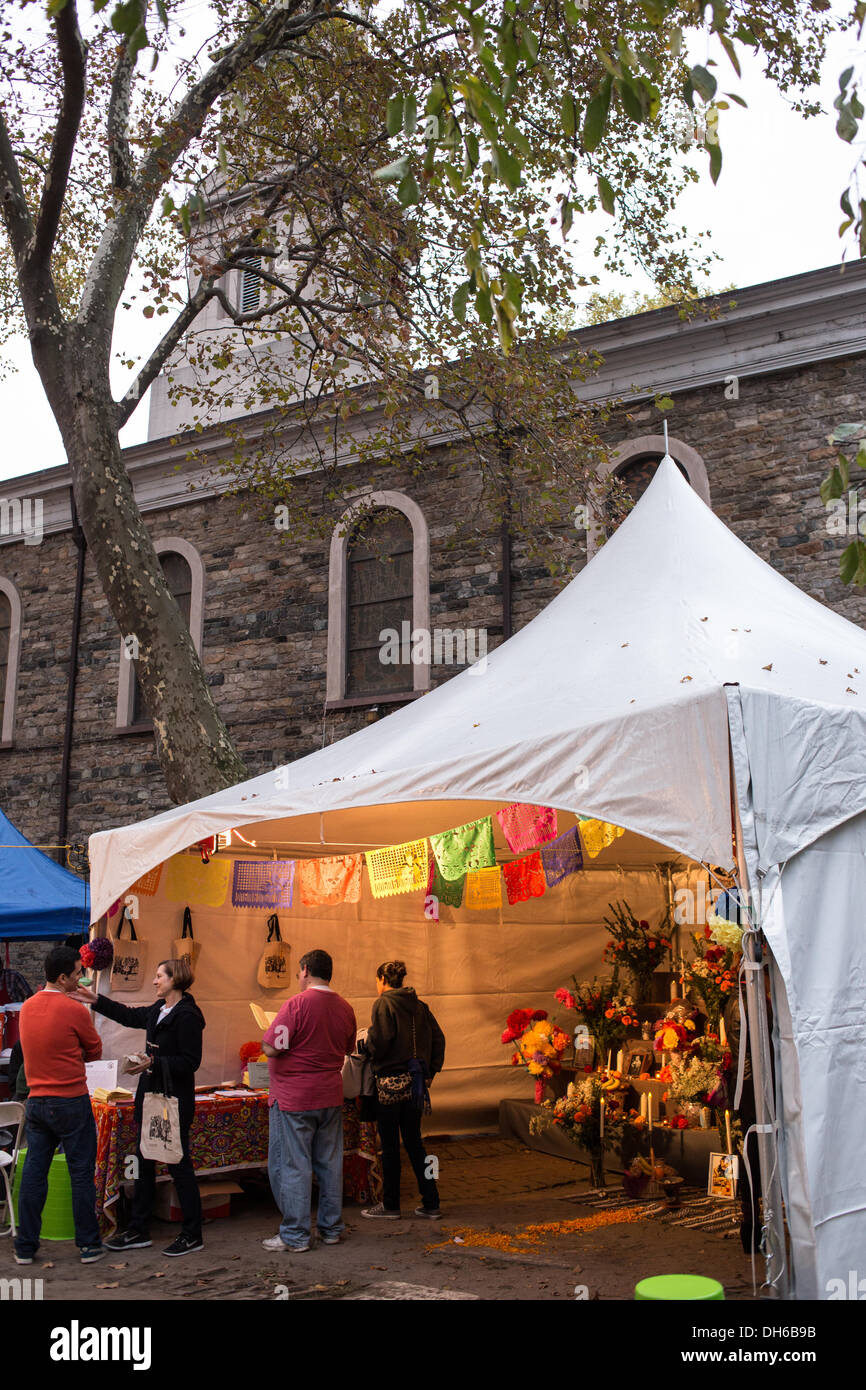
[
  {"x": 679, "y": 1287},
  {"x": 57, "y": 1219}
]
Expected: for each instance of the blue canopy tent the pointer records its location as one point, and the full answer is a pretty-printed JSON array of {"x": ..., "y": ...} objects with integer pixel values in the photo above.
[{"x": 39, "y": 899}]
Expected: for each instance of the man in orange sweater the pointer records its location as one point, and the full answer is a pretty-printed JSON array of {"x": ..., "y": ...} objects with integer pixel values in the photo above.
[{"x": 57, "y": 1038}]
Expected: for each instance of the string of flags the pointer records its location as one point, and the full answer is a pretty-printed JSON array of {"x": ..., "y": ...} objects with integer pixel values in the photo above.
[{"x": 461, "y": 870}]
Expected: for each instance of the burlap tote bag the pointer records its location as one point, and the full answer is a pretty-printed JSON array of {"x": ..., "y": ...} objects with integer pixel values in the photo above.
[
  {"x": 273, "y": 972},
  {"x": 160, "y": 1124},
  {"x": 186, "y": 944},
  {"x": 128, "y": 965}
]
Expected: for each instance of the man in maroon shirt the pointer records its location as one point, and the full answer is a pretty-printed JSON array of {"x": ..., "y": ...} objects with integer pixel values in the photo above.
[{"x": 306, "y": 1046}]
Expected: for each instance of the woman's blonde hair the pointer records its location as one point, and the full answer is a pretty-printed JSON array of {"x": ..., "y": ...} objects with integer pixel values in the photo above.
[{"x": 181, "y": 972}]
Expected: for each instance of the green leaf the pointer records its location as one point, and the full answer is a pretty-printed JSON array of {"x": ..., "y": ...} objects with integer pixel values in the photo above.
[
  {"x": 739, "y": 100},
  {"x": 472, "y": 152},
  {"x": 844, "y": 468},
  {"x": 845, "y": 78},
  {"x": 606, "y": 194},
  {"x": 394, "y": 116},
  {"x": 852, "y": 565},
  {"x": 567, "y": 215},
  {"x": 410, "y": 114},
  {"x": 832, "y": 486},
  {"x": 569, "y": 114},
  {"x": 507, "y": 167},
  {"x": 630, "y": 99},
  {"x": 394, "y": 172},
  {"x": 460, "y": 300},
  {"x": 168, "y": 205},
  {"x": 703, "y": 82},
  {"x": 664, "y": 403},
  {"x": 846, "y": 126},
  {"x": 55, "y": 7},
  {"x": 731, "y": 52},
  {"x": 408, "y": 191},
  {"x": 185, "y": 221},
  {"x": 596, "y": 117},
  {"x": 715, "y": 161},
  {"x": 484, "y": 306}
]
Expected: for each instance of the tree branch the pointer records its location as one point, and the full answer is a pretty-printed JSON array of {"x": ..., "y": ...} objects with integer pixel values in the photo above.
[
  {"x": 16, "y": 214},
  {"x": 119, "y": 157},
  {"x": 73, "y": 61}
]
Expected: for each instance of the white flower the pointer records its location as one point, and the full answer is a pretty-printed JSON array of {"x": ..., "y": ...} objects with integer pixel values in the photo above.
[{"x": 725, "y": 934}]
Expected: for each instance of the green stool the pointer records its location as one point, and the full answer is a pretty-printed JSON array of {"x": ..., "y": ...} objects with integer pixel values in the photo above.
[
  {"x": 57, "y": 1220},
  {"x": 678, "y": 1287}
]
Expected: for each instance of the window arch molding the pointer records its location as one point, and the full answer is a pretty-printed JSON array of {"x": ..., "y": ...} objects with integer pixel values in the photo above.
[
  {"x": 632, "y": 449},
  {"x": 338, "y": 588},
  {"x": 167, "y": 545},
  {"x": 10, "y": 693}
]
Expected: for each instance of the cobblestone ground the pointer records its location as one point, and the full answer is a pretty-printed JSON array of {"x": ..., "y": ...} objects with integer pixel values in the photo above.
[{"x": 492, "y": 1189}]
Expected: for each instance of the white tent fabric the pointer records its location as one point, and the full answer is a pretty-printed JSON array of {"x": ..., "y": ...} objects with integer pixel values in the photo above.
[{"x": 612, "y": 703}]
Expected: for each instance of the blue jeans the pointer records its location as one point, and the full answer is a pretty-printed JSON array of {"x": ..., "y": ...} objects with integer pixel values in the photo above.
[
  {"x": 301, "y": 1142},
  {"x": 53, "y": 1120}
]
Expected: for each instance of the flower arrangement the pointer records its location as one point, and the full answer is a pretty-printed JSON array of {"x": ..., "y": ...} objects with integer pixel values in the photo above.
[
  {"x": 251, "y": 1052},
  {"x": 712, "y": 974},
  {"x": 676, "y": 1031},
  {"x": 636, "y": 945},
  {"x": 98, "y": 953},
  {"x": 607, "y": 1014},
  {"x": 725, "y": 934},
  {"x": 578, "y": 1115},
  {"x": 693, "y": 1081},
  {"x": 539, "y": 1045}
]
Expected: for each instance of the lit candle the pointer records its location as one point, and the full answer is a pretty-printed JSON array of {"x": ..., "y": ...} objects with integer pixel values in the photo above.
[
  {"x": 723, "y": 1035},
  {"x": 673, "y": 989},
  {"x": 601, "y": 1119},
  {"x": 619, "y": 1057},
  {"x": 728, "y": 1129},
  {"x": 649, "y": 1110}
]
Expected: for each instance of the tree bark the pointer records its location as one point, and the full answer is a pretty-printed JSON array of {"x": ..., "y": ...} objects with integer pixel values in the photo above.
[{"x": 195, "y": 751}]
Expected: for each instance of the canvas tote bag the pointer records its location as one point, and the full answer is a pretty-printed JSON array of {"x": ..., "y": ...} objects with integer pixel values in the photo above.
[
  {"x": 127, "y": 968},
  {"x": 186, "y": 944},
  {"x": 160, "y": 1124},
  {"x": 273, "y": 972}
]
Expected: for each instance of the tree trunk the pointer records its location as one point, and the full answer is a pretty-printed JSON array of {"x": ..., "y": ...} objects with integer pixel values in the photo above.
[{"x": 195, "y": 752}]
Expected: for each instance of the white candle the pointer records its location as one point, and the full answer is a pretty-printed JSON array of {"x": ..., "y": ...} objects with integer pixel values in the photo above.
[
  {"x": 649, "y": 1110},
  {"x": 723, "y": 1035},
  {"x": 728, "y": 1129},
  {"x": 673, "y": 989},
  {"x": 601, "y": 1119},
  {"x": 643, "y": 1105},
  {"x": 610, "y": 1061},
  {"x": 619, "y": 1057}
]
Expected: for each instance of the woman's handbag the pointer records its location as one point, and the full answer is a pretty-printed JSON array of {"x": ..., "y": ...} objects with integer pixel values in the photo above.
[
  {"x": 273, "y": 972},
  {"x": 391, "y": 1090},
  {"x": 186, "y": 944},
  {"x": 127, "y": 967},
  {"x": 160, "y": 1124}
]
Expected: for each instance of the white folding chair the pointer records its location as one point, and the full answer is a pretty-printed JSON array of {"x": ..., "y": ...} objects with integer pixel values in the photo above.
[{"x": 11, "y": 1113}]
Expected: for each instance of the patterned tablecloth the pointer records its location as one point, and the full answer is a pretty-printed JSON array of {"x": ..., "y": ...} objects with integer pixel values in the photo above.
[{"x": 229, "y": 1134}]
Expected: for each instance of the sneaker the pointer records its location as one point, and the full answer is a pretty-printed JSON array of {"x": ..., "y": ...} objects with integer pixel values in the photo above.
[
  {"x": 22, "y": 1259},
  {"x": 381, "y": 1213},
  {"x": 332, "y": 1240},
  {"x": 276, "y": 1243},
  {"x": 91, "y": 1253},
  {"x": 129, "y": 1240},
  {"x": 431, "y": 1213},
  {"x": 184, "y": 1245}
]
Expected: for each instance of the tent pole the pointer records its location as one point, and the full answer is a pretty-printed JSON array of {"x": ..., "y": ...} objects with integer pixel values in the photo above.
[{"x": 773, "y": 1233}]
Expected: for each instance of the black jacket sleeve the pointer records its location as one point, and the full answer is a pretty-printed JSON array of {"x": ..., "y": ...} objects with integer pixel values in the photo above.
[
  {"x": 125, "y": 1014},
  {"x": 382, "y": 1030},
  {"x": 437, "y": 1048},
  {"x": 184, "y": 1059}
]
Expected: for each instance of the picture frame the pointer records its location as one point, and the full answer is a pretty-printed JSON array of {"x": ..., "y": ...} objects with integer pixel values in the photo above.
[
  {"x": 638, "y": 1059},
  {"x": 723, "y": 1174}
]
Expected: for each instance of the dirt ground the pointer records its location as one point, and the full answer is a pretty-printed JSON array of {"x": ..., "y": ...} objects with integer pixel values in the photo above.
[{"x": 492, "y": 1191}]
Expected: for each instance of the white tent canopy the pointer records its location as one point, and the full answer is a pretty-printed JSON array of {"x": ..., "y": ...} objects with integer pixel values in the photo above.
[{"x": 612, "y": 703}]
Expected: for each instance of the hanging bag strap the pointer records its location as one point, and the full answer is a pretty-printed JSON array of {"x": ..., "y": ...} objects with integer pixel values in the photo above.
[
  {"x": 124, "y": 919},
  {"x": 187, "y": 925},
  {"x": 274, "y": 928}
]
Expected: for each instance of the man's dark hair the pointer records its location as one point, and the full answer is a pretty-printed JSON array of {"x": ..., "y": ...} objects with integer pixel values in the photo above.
[
  {"x": 318, "y": 963},
  {"x": 61, "y": 960}
]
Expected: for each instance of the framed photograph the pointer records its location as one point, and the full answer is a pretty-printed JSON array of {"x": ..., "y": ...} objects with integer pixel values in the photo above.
[
  {"x": 724, "y": 1171},
  {"x": 638, "y": 1059}
]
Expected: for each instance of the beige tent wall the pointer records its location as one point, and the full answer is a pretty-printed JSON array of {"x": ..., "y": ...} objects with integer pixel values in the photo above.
[{"x": 472, "y": 968}]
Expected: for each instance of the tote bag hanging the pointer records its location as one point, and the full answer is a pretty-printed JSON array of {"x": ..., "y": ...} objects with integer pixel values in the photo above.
[
  {"x": 186, "y": 944},
  {"x": 273, "y": 972},
  {"x": 160, "y": 1124},
  {"x": 127, "y": 968}
]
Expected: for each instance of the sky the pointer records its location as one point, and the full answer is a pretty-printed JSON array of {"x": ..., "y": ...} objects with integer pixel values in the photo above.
[{"x": 774, "y": 212}]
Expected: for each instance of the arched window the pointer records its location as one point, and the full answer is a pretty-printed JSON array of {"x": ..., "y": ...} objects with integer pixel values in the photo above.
[
  {"x": 184, "y": 573},
  {"x": 10, "y": 642},
  {"x": 378, "y": 583},
  {"x": 635, "y": 462}
]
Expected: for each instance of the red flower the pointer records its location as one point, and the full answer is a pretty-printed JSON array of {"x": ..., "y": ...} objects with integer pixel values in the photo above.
[
  {"x": 643, "y": 923},
  {"x": 563, "y": 996},
  {"x": 538, "y": 1014}
]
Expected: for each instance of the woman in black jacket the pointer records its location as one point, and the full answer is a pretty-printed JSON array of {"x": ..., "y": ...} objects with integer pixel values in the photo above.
[
  {"x": 174, "y": 1025},
  {"x": 407, "y": 1048}
]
